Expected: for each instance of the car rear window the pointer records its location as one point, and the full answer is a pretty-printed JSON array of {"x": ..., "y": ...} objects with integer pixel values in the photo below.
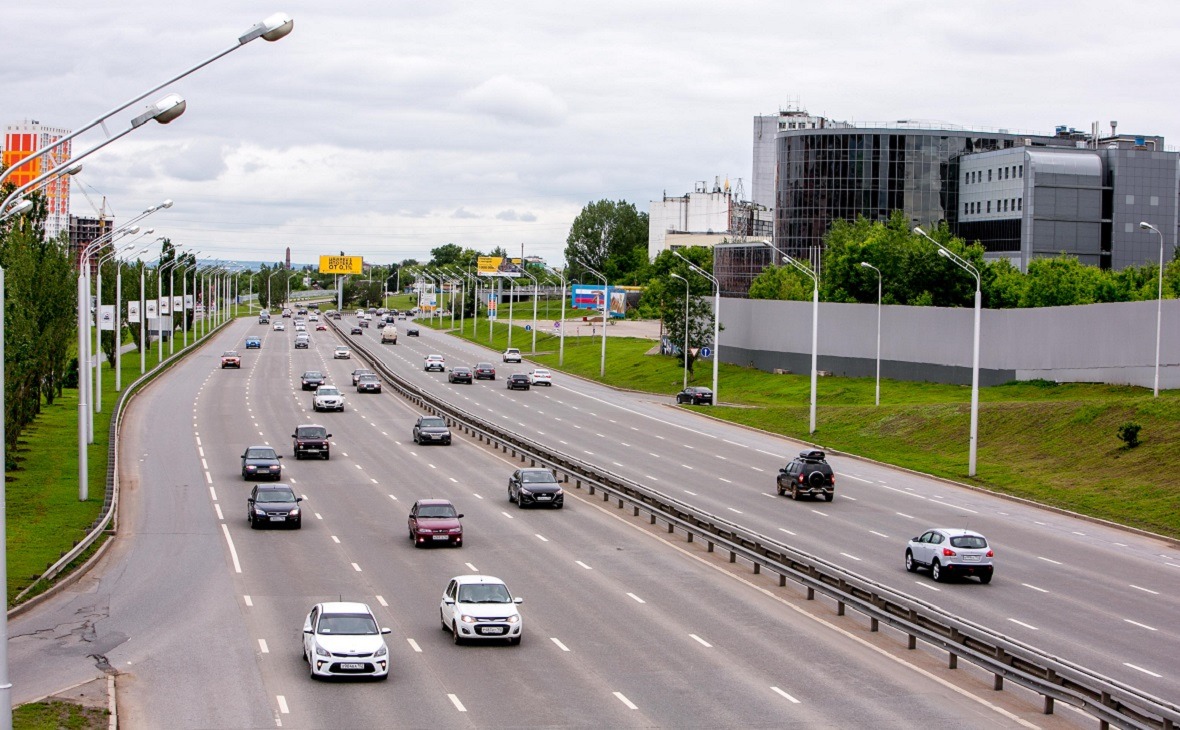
[{"x": 969, "y": 541}]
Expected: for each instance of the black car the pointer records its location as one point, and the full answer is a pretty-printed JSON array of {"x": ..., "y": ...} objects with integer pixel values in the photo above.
[
  {"x": 518, "y": 380},
  {"x": 356, "y": 374},
  {"x": 432, "y": 430},
  {"x": 356, "y": 331},
  {"x": 368, "y": 384},
  {"x": 696, "y": 395},
  {"x": 311, "y": 440},
  {"x": 273, "y": 504},
  {"x": 261, "y": 462},
  {"x": 485, "y": 371},
  {"x": 535, "y": 486},
  {"x": 459, "y": 374},
  {"x": 312, "y": 379},
  {"x": 411, "y": 331},
  {"x": 364, "y": 323},
  {"x": 380, "y": 324},
  {"x": 807, "y": 474}
]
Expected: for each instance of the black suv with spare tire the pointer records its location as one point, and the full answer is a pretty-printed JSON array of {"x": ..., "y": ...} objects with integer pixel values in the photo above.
[{"x": 807, "y": 474}]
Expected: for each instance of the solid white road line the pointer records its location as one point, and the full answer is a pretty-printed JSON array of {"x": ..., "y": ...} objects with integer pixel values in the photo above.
[
  {"x": 1021, "y": 623},
  {"x": 414, "y": 645},
  {"x": 783, "y": 529},
  {"x": 784, "y": 694},
  {"x": 262, "y": 646},
  {"x": 903, "y": 514},
  {"x": 851, "y": 556},
  {"x": 845, "y": 496},
  {"x": 924, "y": 584},
  {"x": 701, "y": 641},
  {"x": 879, "y": 534},
  {"x": 1145, "y": 590},
  {"x": 725, "y": 480},
  {"x": 731, "y": 509},
  {"x": 560, "y": 645},
  {"x": 821, "y": 514},
  {"x": 1141, "y": 669},
  {"x": 232, "y": 552},
  {"x": 458, "y": 705},
  {"x": 1029, "y": 585},
  {"x": 1047, "y": 560},
  {"x": 637, "y": 598},
  {"x": 283, "y": 704},
  {"x": 625, "y": 701}
]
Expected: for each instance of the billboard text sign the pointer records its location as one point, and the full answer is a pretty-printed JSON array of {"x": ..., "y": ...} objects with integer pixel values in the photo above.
[{"x": 340, "y": 264}]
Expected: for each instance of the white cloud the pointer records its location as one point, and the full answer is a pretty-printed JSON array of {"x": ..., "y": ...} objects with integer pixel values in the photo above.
[{"x": 513, "y": 100}]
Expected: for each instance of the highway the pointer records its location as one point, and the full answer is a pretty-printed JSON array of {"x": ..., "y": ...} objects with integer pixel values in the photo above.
[{"x": 200, "y": 615}]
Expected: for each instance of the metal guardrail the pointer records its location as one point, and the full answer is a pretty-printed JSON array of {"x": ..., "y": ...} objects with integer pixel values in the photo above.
[
  {"x": 1055, "y": 679},
  {"x": 110, "y": 501}
]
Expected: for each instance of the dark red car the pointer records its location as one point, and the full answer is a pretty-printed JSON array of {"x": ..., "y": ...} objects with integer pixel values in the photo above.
[
  {"x": 435, "y": 522},
  {"x": 485, "y": 371}
]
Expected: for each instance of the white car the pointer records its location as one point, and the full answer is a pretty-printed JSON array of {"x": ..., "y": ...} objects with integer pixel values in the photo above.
[
  {"x": 344, "y": 640},
  {"x": 950, "y": 552},
  {"x": 341, "y": 353},
  {"x": 327, "y": 398},
  {"x": 512, "y": 354},
  {"x": 313, "y": 318},
  {"x": 279, "y": 327},
  {"x": 480, "y": 607},
  {"x": 436, "y": 362},
  {"x": 540, "y": 376},
  {"x": 300, "y": 327}
]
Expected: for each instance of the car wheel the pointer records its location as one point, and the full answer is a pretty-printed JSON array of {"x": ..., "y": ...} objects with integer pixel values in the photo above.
[
  {"x": 910, "y": 565},
  {"x": 795, "y": 492},
  {"x": 519, "y": 502},
  {"x": 455, "y": 634},
  {"x": 299, "y": 524},
  {"x": 327, "y": 455},
  {"x": 311, "y": 669},
  {"x": 250, "y": 519},
  {"x": 510, "y": 497},
  {"x": 829, "y": 496},
  {"x": 781, "y": 490},
  {"x": 443, "y": 620},
  {"x": 298, "y": 456},
  {"x": 936, "y": 572},
  {"x": 515, "y": 640},
  {"x": 985, "y": 578}
]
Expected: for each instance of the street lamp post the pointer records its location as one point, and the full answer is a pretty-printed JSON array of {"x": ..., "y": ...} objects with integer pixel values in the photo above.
[
  {"x": 966, "y": 266},
  {"x": 684, "y": 353},
  {"x": 814, "y": 325},
  {"x": 717, "y": 328},
  {"x": 561, "y": 322},
  {"x": 867, "y": 265},
  {"x": 534, "y": 306},
  {"x": 1159, "y": 307},
  {"x": 605, "y": 314}
]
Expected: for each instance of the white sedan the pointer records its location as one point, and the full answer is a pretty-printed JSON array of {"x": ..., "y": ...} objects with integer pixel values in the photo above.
[
  {"x": 279, "y": 327},
  {"x": 480, "y": 607},
  {"x": 344, "y": 640},
  {"x": 540, "y": 376},
  {"x": 342, "y": 353}
]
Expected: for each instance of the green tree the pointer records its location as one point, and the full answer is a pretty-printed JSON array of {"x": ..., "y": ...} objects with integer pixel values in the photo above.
[
  {"x": 664, "y": 297},
  {"x": 610, "y": 237},
  {"x": 447, "y": 255}
]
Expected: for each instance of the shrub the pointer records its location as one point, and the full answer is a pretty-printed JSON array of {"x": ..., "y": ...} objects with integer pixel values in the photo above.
[{"x": 1129, "y": 434}]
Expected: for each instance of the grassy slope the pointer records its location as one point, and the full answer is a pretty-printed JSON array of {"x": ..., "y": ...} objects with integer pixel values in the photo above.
[{"x": 1054, "y": 444}]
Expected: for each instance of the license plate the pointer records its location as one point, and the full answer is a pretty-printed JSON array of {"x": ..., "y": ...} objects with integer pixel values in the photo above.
[
  {"x": 440, "y": 537},
  {"x": 278, "y": 518},
  {"x": 543, "y": 497},
  {"x": 352, "y": 665},
  {"x": 971, "y": 558},
  {"x": 494, "y": 630}
]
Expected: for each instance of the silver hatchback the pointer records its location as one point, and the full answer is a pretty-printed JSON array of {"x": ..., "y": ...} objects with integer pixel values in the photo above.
[{"x": 949, "y": 552}]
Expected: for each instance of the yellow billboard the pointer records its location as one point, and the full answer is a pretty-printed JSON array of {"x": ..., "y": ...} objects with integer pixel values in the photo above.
[
  {"x": 340, "y": 264},
  {"x": 498, "y": 266}
]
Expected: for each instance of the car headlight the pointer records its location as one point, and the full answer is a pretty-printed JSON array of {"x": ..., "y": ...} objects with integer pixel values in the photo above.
[
  {"x": 321, "y": 651},
  {"x": 423, "y": 530},
  {"x": 558, "y": 493},
  {"x": 526, "y": 491},
  {"x": 455, "y": 530},
  {"x": 250, "y": 467},
  {"x": 294, "y": 512},
  {"x": 513, "y": 619},
  {"x": 468, "y": 619},
  {"x": 382, "y": 651},
  {"x": 259, "y": 512}
]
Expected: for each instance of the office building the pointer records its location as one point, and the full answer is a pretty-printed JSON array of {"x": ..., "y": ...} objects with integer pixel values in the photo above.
[{"x": 22, "y": 140}]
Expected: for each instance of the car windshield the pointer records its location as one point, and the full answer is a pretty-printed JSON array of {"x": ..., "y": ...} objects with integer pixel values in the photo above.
[
  {"x": 327, "y": 390},
  {"x": 436, "y": 510},
  {"x": 310, "y": 432},
  {"x": 347, "y": 624},
  {"x": 484, "y": 593},
  {"x": 229, "y": 353},
  {"x": 341, "y": 349},
  {"x": 260, "y": 453},
  {"x": 432, "y": 423},
  {"x": 275, "y": 495},
  {"x": 312, "y": 375},
  {"x": 367, "y": 379},
  {"x": 969, "y": 541},
  {"x": 537, "y": 477}
]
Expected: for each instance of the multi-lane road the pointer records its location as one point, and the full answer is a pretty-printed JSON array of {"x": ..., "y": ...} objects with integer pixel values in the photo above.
[{"x": 200, "y": 615}]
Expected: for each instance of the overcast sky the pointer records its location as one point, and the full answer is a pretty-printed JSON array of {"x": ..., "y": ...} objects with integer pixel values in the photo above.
[{"x": 386, "y": 129}]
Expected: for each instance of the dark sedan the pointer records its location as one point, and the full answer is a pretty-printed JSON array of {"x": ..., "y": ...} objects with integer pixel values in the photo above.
[
  {"x": 518, "y": 381},
  {"x": 261, "y": 462},
  {"x": 485, "y": 371},
  {"x": 356, "y": 331},
  {"x": 312, "y": 379},
  {"x": 356, "y": 374},
  {"x": 535, "y": 486},
  {"x": 459, "y": 374},
  {"x": 695, "y": 395},
  {"x": 411, "y": 331},
  {"x": 432, "y": 430},
  {"x": 273, "y": 504},
  {"x": 368, "y": 384},
  {"x": 435, "y": 522}
]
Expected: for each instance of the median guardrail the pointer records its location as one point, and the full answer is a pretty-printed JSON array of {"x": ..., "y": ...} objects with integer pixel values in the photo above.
[{"x": 1110, "y": 701}]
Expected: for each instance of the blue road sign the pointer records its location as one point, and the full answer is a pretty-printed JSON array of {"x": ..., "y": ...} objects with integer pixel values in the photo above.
[{"x": 706, "y": 351}]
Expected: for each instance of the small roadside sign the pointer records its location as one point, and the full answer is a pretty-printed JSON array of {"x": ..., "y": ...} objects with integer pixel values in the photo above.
[{"x": 706, "y": 351}]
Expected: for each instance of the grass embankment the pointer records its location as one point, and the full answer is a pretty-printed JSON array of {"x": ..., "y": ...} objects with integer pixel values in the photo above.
[
  {"x": 58, "y": 715},
  {"x": 1056, "y": 444}
]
